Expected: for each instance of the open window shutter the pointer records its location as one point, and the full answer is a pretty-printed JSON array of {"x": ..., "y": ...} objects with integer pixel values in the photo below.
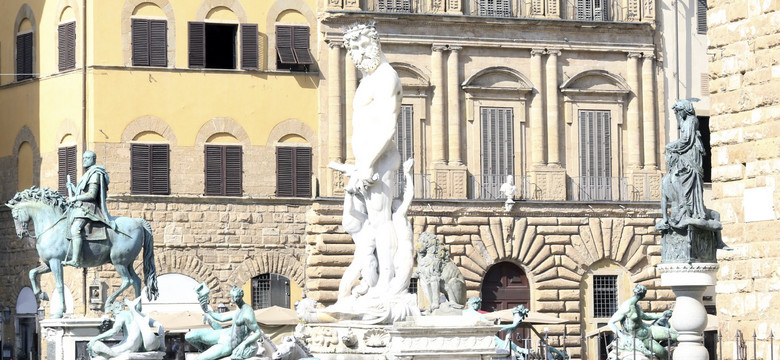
[
  {"x": 20, "y": 57},
  {"x": 600, "y": 10},
  {"x": 234, "y": 171},
  {"x": 301, "y": 45},
  {"x": 509, "y": 148},
  {"x": 140, "y": 38},
  {"x": 213, "y": 170},
  {"x": 284, "y": 171},
  {"x": 701, "y": 17},
  {"x": 197, "y": 44},
  {"x": 303, "y": 172},
  {"x": 604, "y": 144},
  {"x": 71, "y": 45},
  {"x": 158, "y": 43},
  {"x": 284, "y": 42},
  {"x": 504, "y": 8},
  {"x": 160, "y": 168},
  {"x": 140, "y": 168},
  {"x": 62, "y": 173},
  {"x": 249, "y": 47}
]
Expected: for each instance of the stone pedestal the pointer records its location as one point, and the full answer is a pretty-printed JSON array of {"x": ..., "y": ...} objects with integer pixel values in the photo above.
[
  {"x": 549, "y": 183},
  {"x": 688, "y": 281},
  {"x": 449, "y": 182},
  {"x": 419, "y": 337},
  {"x": 62, "y": 336}
]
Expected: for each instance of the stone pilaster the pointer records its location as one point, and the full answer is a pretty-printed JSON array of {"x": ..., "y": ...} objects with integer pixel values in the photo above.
[
  {"x": 335, "y": 113},
  {"x": 437, "y": 106},
  {"x": 350, "y": 84},
  {"x": 634, "y": 144},
  {"x": 537, "y": 111},
  {"x": 553, "y": 120},
  {"x": 649, "y": 122},
  {"x": 453, "y": 110}
]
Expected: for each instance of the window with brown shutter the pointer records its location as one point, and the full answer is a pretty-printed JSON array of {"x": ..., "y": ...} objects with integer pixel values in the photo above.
[
  {"x": 24, "y": 56},
  {"x": 213, "y": 45},
  {"x": 595, "y": 181},
  {"x": 150, "y": 169},
  {"x": 150, "y": 42},
  {"x": 292, "y": 48},
  {"x": 67, "y": 166},
  {"x": 223, "y": 170},
  {"x": 67, "y": 45},
  {"x": 497, "y": 149},
  {"x": 496, "y": 8},
  {"x": 592, "y": 10},
  {"x": 293, "y": 171}
]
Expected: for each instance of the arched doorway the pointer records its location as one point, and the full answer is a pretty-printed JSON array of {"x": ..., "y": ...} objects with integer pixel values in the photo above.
[
  {"x": 26, "y": 329},
  {"x": 505, "y": 286}
]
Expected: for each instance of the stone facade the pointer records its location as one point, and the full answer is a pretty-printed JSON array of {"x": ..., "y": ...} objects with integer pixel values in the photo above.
[
  {"x": 745, "y": 126},
  {"x": 556, "y": 244}
]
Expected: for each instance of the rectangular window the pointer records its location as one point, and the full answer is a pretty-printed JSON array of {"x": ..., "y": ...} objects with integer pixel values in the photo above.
[
  {"x": 293, "y": 171},
  {"x": 404, "y": 140},
  {"x": 592, "y": 10},
  {"x": 497, "y": 150},
  {"x": 24, "y": 56},
  {"x": 149, "y": 169},
  {"x": 605, "y": 295},
  {"x": 150, "y": 42},
  {"x": 213, "y": 46},
  {"x": 292, "y": 48},
  {"x": 67, "y": 45},
  {"x": 270, "y": 290},
  {"x": 223, "y": 170},
  {"x": 404, "y": 6},
  {"x": 497, "y": 8},
  {"x": 595, "y": 181},
  {"x": 67, "y": 166},
  {"x": 701, "y": 17}
]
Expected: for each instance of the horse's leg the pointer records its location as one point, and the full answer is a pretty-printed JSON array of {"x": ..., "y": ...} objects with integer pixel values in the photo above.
[
  {"x": 36, "y": 287},
  {"x": 126, "y": 278},
  {"x": 59, "y": 289},
  {"x": 136, "y": 285}
]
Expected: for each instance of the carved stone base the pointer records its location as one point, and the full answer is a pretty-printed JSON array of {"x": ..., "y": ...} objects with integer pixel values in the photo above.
[
  {"x": 424, "y": 337},
  {"x": 448, "y": 182},
  {"x": 152, "y": 355},
  {"x": 688, "y": 281},
  {"x": 548, "y": 183},
  {"x": 63, "y": 336}
]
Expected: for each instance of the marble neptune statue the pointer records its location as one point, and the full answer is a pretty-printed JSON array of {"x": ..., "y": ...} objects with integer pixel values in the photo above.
[{"x": 381, "y": 231}]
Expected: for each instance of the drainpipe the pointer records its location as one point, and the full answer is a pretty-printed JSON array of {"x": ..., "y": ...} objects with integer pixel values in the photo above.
[{"x": 84, "y": 125}]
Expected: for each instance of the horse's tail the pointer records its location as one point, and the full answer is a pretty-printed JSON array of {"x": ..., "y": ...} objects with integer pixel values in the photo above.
[{"x": 150, "y": 270}]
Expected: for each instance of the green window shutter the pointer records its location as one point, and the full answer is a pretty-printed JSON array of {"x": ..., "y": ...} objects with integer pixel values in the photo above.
[
  {"x": 213, "y": 169},
  {"x": 249, "y": 47},
  {"x": 284, "y": 171},
  {"x": 66, "y": 42},
  {"x": 67, "y": 166},
  {"x": 24, "y": 56},
  {"x": 158, "y": 43},
  {"x": 139, "y": 29},
  {"x": 197, "y": 44},
  {"x": 234, "y": 171},
  {"x": 701, "y": 17},
  {"x": 302, "y": 172}
]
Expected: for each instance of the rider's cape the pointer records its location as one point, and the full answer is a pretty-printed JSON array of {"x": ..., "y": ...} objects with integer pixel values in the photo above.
[{"x": 94, "y": 211}]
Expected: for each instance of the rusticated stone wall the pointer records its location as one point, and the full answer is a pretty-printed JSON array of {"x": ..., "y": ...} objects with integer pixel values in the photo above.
[
  {"x": 554, "y": 243},
  {"x": 745, "y": 138}
]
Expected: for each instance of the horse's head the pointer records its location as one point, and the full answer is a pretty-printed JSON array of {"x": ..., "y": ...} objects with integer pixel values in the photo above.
[{"x": 21, "y": 219}]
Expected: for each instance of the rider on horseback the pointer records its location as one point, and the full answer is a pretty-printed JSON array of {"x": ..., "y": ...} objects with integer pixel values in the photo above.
[{"x": 88, "y": 201}]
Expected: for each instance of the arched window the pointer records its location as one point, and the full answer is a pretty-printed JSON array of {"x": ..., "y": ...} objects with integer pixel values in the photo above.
[
  {"x": 24, "y": 50},
  {"x": 66, "y": 40},
  {"x": 27, "y": 338},
  {"x": 293, "y": 167},
  {"x": 24, "y": 166},
  {"x": 150, "y": 164},
  {"x": 149, "y": 36},
  {"x": 216, "y": 43},
  {"x": 270, "y": 290},
  {"x": 292, "y": 42},
  {"x": 223, "y": 165}
]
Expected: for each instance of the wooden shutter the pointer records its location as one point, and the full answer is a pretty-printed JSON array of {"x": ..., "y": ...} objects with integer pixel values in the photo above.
[
  {"x": 701, "y": 17},
  {"x": 67, "y": 45},
  {"x": 595, "y": 158},
  {"x": 24, "y": 56},
  {"x": 303, "y": 172},
  {"x": 284, "y": 42},
  {"x": 284, "y": 171},
  {"x": 139, "y": 168},
  {"x": 214, "y": 178},
  {"x": 160, "y": 169},
  {"x": 158, "y": 43},
  {"x": 280, "y": 291},
  {"x": 404, "y": 136},
  {"x": 67, "y": 166},
  {"x": 600, "y": 10},
  {"x": 585, "y": 10},
  {"x": 301, "y": 45},
  {"x": 249, "y": 47},
  {"x": 139, "y": 29},
  {"x": 197, "y": 44},
  {"x": 503, "y": 8},
  {"x": 497, "y": 148},
  {"x": 234, "y": 171}
]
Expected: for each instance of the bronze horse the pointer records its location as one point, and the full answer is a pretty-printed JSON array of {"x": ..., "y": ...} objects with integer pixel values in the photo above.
[{"x": 48, "y": 211}]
